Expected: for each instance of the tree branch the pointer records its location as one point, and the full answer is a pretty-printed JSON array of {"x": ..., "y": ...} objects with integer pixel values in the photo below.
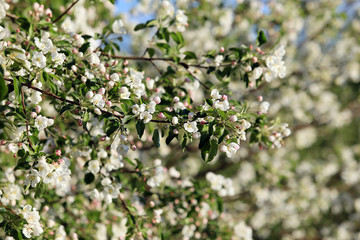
[{"x": 66, "y": 11}]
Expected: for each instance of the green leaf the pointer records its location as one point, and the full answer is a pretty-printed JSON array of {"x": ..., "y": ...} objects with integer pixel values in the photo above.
[
  {"x": 34, "y": 140},
  {"x": 213, "y": 150},
  {"x": 261, "y": 38},
  {"x": 3, "y": 88},
  {"x": 66, "y": 108},
  {"x": 226, "y": 132},
  {"x": 86, "y": 117},
  {"x": 156, "y": 138},
  {"x": 190, "y": 55},
  {"x": 112, "y": 128},
  {"x": 84, "y": 47},
  {"x": 89, "y": 178},
  {"x": 150, "y": 23},
  {"x": 151, "y": 52},
  {"x": 22, "y": 163},
  {"x": 140, "y": 127},
  {"x": 17, "y": 89},
  {"x": 40, "y": 189},
  {"x": 170, "y": 137}
]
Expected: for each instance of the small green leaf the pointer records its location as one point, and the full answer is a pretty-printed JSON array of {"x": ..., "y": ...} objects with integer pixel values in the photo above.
[
  {"x": 3, "y": 88},
  {"x": 156, "y": 138},
  {"x": 84, "y": 47},
  {"x": 151, "y": 52},
  {"x": 140, "y": 127},
  {"x": 261, "y": 38},
  {"x": 213, "y": 150},
  {"x": 112, "y": 128},
  {"x": 40, "y": 189},
  {"x": 189, "y": 55}
]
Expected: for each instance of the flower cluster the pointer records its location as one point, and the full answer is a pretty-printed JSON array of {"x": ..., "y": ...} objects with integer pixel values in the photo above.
[{"x": 32, "y": 228}]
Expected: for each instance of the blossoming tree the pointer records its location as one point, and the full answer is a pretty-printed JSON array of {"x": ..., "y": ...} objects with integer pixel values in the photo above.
[{"x": 105, "y": 143}]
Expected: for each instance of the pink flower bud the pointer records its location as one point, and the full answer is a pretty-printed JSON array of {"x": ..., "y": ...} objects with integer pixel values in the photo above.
[
  {"x": 101, "y": 91},
  {"x": 102, "y": 138},
  {"x": 152, "y": 204},
  {"x": 83, "y": 79},
  {"x": 233, "y": 118},
  {"x": 74, "y": 68},
  {"x": 75, "y": 51},
  {"x": 260, "y": 98},
  {"x": 258, "y": 49},
  {"x": 175, "y": 131},
  {"x": 125, "y": 70},
  {"x": 126, "y": 62},
  {"x": 251, "y": 47},
  {"x": 254, "y": 59},
  {"x": 46, "y": 208},
  {"x": 38, "y": 109},
  {"x": 133, "y": 147},
  {"x": 58, "y": 152},
  {"x": 248, "y": 68},
  {"x": 176, "y": 99},
  {"x": 2, "y": 142},
  {"x": 33, "y": 114},
  {"x": 224, "y": 97},
  {"x": 107, "y": 76},
  {"x": 17, "y": 30},
  {"x": 161, "y": 115},
  {"x": 108, "y": 103},
  {"x": 222, "y": 49},
  {"x": 115, "y": 63},
  {"x": 157, "y": 99},
  {"x": 182, "y": 94},
  {"x": 89, "y": 94}
]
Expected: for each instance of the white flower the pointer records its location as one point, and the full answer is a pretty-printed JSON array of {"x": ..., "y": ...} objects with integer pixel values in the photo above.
[
  {"x": 222, "y": 105},
  {"x": 215, "y": 94},
  {"x": 43, "y": 167},
  {"x": 94, "y": 59},
  {"x": 118, "y": 27},
  {"x": 191, "y": 127},
  {"x": 94, "y": 166},
  {"x": 115, "y": 77},
  {"x": 166, "y": 9},
  {"x": 27, "y": 231},
  {"x": 230, "y": 149},
  {"x": 218, "y": 60},
  {"x": 39, "y": 60},
  {"x": 58, "y": 58},
  {"x": 41, "y": 122},
  {"x": 45, "y": 45},
  {"x": 151, "y": 107},
  {"x": 98, "y": 101},
  {"x": 181, "y": 21},
  {"x": 32, "y": 178},
  {"x": 256, "y": 74},
  {"x": 264, "y": 107},
  {"x": 242, "y": 231},
  {"x": 146, "y": 116}
]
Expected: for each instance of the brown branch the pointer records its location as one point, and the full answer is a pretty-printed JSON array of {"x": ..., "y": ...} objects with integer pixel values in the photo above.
[
  {"x": 12, "y": 16},
  {"x": 66, "y": 11},
  {"x": 27, "y": 120},
  {"x": 2, "y": 205}
]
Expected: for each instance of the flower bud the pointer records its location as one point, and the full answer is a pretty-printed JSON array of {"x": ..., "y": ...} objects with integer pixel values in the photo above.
[
  {"x": 157, "y": 99},
  {"x": 222, "y": 49},
  {"x": 101, "y": 91},
  {"x": 58, "y": 152},
  {"x": 79, "y": 122},
  {"x": 2, "y": 142},
  {"x": 89, "y": 94},
  {"x": 254, "y": 59},
  {"x": 182, "y": 94},
  {"x": 196, "y": 135},
  {"x": 133, "y": 147},
  {"x": 175, "y": 131},
  {"x": 74, "y": 68},
  {"x": 83, "y": 79},
  {"x": 176, "y": 99},
  {"x": 38, "y": 109},
  {"x": 102, "y": 138},
  {"x": 260, "y": 98},
  {"x": 97, "y": 111},
  {"x": 110, "y": 84},
  {"x": 224, "y": 97},
  {"x": 152, "y": 204},
  {"x": 33, "y": 114},
  {"x": 161, "y": 115},
  {"x": 108, "y": 103},
  {"x": 233, "y": 118},
  {"x": 75, "y": 51},
  {"x": 175, "y": 120}
]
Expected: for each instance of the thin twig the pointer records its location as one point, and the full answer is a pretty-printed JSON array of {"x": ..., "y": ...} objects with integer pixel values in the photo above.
[
  {"x": 66, "y": 11},
  {"x": 27, "y": 120},
  {"x": 2, "y": 205}
]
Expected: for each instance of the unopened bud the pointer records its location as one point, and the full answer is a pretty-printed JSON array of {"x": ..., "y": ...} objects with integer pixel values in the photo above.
[
  {"x": 111, "y": 84},
  {"x": 74, "y": 68},
  {"x": 75, "y": 51},
  {"x": 157, "y": 99},
  {"x": 33, "y": 114},
  {"x": 176, "y": 99},
  {"x": 108, "y": 103},
  {"x": 101, "y": 91},
  {"x": 260, "y": 98},
  {"x": 89, "y": 94},
  {"x": 222, "y": 49},
  {"x": 254, "y": 59},
  {"x": 84, "y": 79},
  {"x": 233, "y": 118},
  {"x": 175, "y": 131},
  {"x": 133, "y": 147},
  {"x": 38, "y": 109},
  {"x": 97, "y": 111}
]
